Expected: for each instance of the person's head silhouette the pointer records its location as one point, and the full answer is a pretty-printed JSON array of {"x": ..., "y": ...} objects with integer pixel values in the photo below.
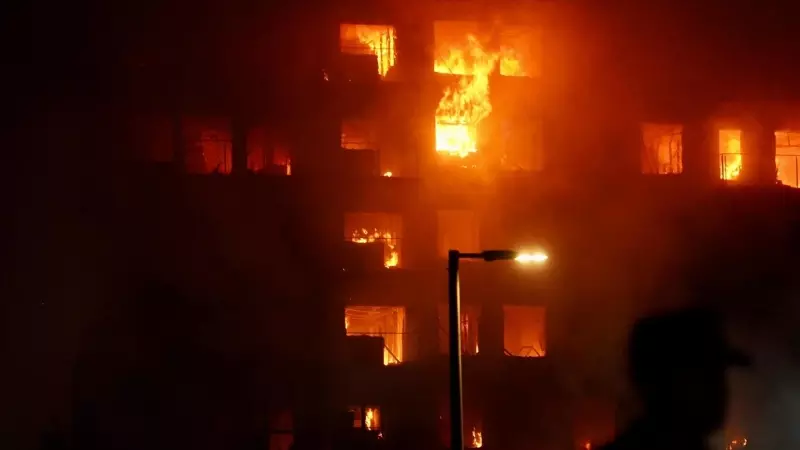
[{"x": 677, "y": 362}]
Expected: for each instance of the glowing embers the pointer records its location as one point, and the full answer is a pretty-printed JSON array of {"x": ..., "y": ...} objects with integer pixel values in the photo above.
[
  {"x": 662, "y": 151},
  {"x": 737, "y": 444},
  {"x": 524, "y": 331},
  {"x": 376, "y": 228},
  {"x": 378, "y": 40},
  {"x": 388, "y": 322},
  {"x": 787, "y": 158},
  {"x": 730, "y": 154}
]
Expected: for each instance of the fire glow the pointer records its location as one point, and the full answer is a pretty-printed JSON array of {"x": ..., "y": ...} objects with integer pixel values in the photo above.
[
  {"x": 477, "y": 438},
  {"x": 464, "y": 105},
  {"x": 730, "y": 151},
  {"x": 364, "y": 236},
  {"x": 378, "y": 40}
]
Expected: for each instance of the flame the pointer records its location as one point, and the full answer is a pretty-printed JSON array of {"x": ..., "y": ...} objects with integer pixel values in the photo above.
[
  {"x": 346, "y": 323},
  {"x": 392, "y": 256},
  {"x": 737, "y": 444},
  {"x": 477, "y": 438},
  {"x": 380, "y": 40},
  {"x": 371, "y": 418},
  {"x": 466, "y": 104},
  {"x": 387, "y": 174},
  {"x": 730, "y": 154},
  {"x": 587, "y": 445}
]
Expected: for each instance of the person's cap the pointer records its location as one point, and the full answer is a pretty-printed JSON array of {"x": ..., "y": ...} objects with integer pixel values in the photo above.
[{"x": 689, "y": 337}]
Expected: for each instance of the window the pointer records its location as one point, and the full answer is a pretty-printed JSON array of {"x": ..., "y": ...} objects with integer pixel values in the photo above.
[
  {"x": 387, "y": 322},
  {"x": 265, "y": 154},
  {"x": 208, "y": 145},
  {"x": 524, "y": 331},
  {"x": 458, "y": 230},
  {"x": 374, "y": 40},
  {"x": 462, "y": 49},
  {"x": 376, "y": 228},
  {"x": 367, "y": 417},
  {"x": 730, "y": 154},
  {"x": 470, "y": 319},
  {"x": 787, "y": 155},
  {"x": 358, "y": 135},
  {"x": 662, "y": 149}
]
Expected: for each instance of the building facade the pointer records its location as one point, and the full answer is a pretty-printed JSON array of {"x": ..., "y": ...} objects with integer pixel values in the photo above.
[{"x": 335, "y": 174}]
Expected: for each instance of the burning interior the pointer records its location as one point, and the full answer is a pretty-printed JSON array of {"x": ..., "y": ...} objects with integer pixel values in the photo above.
[
  {"x": 662, "y": 150},
  {"x": 378, "y": 229},
  {"x": 524, "y": 331},
  {"x": 374, "y": 43},
  {"x": 266, "y": 154},
  {"x": 388, "y": 322},
  {"x": 358, "y": 135},
  {"x": 208, "y": 148},
  {"x": 730, "y": 154},
  {"x": 465, "y": 50},
  {"x": 458, "y": 229},
  {"x": 787, "y": 153},
  {"x": 366, "y": 417},
  {"x": 470, "y": 319}
]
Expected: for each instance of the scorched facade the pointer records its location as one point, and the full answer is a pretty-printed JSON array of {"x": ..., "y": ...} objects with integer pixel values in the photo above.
[{"x": 381, "y": 138}]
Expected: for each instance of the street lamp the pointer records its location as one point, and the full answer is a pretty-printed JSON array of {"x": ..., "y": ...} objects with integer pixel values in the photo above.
[{"x": 454, "y": 319}]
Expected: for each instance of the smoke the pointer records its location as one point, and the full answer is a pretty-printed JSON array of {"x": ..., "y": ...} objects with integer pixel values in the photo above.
[{"x": 765, "y": 404}]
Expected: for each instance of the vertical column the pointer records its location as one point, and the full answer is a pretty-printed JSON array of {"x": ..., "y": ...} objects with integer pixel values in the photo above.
[
  {"x": 699, "y": 151},
  {"x": 490, "y": 329},
  {"x": 239, "y": 145},
  {"x": 758, "y": 152},
  {"x": 178, "y": 143}
]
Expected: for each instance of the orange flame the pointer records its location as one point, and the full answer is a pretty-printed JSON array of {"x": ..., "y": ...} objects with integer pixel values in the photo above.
[
  {"x": 465, "y": 105},
  {"x": 477, "y": 438},
  {"x": 371, "y": 418},
  {"x": 730, "y": 154},
  {"x": 380, "y": 40},
  {"x": 392, "y": 256}
]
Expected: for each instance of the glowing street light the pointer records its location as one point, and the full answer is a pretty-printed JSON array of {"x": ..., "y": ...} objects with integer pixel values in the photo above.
[{"x": 454, "y": 318}]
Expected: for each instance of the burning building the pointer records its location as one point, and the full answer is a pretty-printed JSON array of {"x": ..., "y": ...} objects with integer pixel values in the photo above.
[{"x": 386, "y": 140}]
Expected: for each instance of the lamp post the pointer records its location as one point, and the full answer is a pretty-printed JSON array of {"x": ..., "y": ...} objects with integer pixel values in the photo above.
[{"x": 454, "y": 319}]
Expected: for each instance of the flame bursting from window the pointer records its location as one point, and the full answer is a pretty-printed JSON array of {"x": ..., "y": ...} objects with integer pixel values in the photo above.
[
  {"x": 466, "y": 104},
  {"x": 730, "y": 152},
  {"x": 379, "y": 39},
  {"x": 477, "y": 438},
  {"x": 392, "y": 256},
  {"x": 371, "y": 419}
]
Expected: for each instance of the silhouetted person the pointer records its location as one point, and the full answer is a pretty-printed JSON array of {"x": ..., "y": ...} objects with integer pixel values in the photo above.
[{"x": 677, "y": 363}]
